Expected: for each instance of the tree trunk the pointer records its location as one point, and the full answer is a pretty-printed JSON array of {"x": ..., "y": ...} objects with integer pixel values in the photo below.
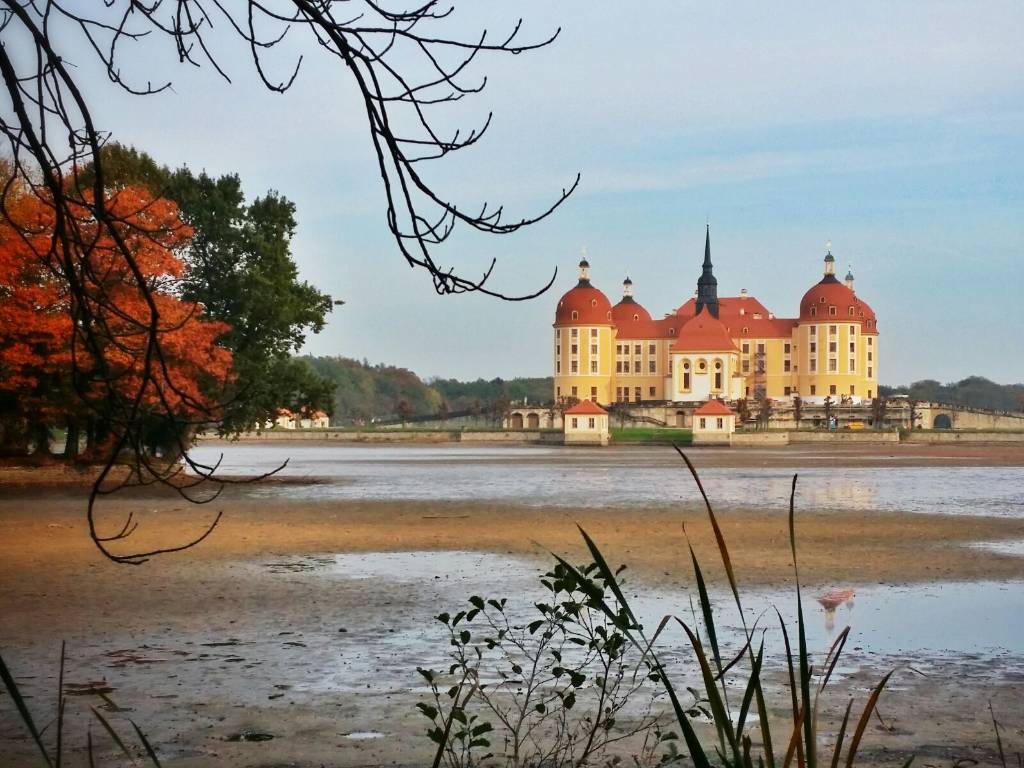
[{"x": 71, "y": 446}]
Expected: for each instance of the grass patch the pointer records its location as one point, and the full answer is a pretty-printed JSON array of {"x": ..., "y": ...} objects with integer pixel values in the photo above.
[{"x": 652, "y": 435}]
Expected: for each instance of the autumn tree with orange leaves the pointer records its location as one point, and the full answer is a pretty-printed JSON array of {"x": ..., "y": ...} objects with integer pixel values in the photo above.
[{"x": 49, "y": 375}]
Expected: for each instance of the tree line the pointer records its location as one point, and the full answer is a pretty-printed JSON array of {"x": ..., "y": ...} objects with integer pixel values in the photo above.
[
  {"x": 366, "y": 393},
  {"x": 972, "y": 392}
]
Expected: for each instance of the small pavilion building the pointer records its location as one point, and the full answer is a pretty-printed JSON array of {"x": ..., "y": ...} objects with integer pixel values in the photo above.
[
  {"x": 713, "y": 422},
  {"x": 586, "y": 423}
]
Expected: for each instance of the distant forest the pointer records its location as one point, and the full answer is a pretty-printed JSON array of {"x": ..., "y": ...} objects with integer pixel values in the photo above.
[
  {"x": 365, "y": 393},
  {"x": 974, "y": 391}
]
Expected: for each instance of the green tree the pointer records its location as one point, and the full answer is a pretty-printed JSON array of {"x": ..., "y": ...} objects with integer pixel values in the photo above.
[{"x": 242, "y": 271}]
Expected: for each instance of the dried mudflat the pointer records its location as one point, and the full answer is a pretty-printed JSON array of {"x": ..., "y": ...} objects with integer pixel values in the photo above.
[{"x": 305, "y": 620}]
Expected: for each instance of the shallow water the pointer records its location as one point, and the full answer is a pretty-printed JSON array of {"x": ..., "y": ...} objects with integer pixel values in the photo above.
[{"x": 546, "y": 476}]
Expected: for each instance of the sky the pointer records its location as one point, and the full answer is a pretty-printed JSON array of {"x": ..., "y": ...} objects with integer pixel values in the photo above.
[{"x": 895, "y": 131}]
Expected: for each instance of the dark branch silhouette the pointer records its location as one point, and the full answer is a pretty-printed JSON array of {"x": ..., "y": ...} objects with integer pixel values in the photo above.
[{"x": 54, "y": 145}]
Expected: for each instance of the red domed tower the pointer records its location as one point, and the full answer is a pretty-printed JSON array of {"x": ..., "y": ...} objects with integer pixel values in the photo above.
[
  {"x": 584, "y": 332},
  {"x": 836, "y": 341}
]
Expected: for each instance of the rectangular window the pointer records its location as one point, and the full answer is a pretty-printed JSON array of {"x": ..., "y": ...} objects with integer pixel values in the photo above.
[
  {"x": 703, "y": 423},
  {"x": 558, "y": 392},
  {"x": 869, "y": 394},
  {"x": 814, "y": 347},
  {"x": 760, "y": 349},
  {"x": 651, "y": 349},
  {"x": 853, "y": 347},
  {"x": 869, "y": 357},
  {"x": 618, "y": 394},
  {"x": 593, "y": 333},
  {"x": 593, "y": 366},
  {"x": 871, "y": 341},
  {"x": 652, "y": 366},
  {"x": 558, "y": 349},
  {"x": 574, "y": 392},
  {"x": 593, "y": 349},
  {"x": 832, "y": 346},
  {"x": 814, "y": 330},
  {"x": 787, "y": 391},
  {"x": 853, "y": 330},
  {"x": 853, "y": 365},
  {"x": 651, "y": 393},
  {"x": 831, "y": 389},
  {"x": 833, "y": 365},
  {"x": 575, "y": 332},
  {"x": 746, "y": 366},
  {"x": 618, "y": 349},
  {"x": 593, "y": 394},
  {"x": 618, "y": 366},
  {"x": 721, "y": 423},
  {"x": 686, "y": 379},
  {"x": 575, "y": 349},
  {"x": 636, "y": 366},
  {"x": 814, "y": 390},
  {"x": 636, "y": 394},
  {"x": 832, "y": 330},
  {"x": 746, "y": 349},
  {"x": 575, "y": 367},
  {"x": 575, "y": 422},
  {"x": 590, "y": 422},
  {"x": 786, "y": 348},
  {"x": 870, "y": 374},
  {"x": 785, "y": 366},
  {"x": 718, "y": 379},
  {"x": 853, "y": 390},
  {"x": 636, "y": 349},
  {"x": 814, "y": 365},
  {"x": 558, "y": 367}
]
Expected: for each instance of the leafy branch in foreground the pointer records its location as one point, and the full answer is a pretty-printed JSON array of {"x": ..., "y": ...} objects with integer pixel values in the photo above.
[{"x": 56, "y": 757}]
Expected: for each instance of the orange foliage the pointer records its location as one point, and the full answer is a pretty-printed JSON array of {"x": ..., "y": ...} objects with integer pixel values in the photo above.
[{"x": 38, "y": 302}]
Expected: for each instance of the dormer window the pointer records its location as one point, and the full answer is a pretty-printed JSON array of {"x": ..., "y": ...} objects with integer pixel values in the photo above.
[
  {"x": 757, "y": 315},
  {"x": 575, "y": 315},
  {"x": 635, "y": 318},
  {"x": 832, "y": 311},
  {"x": 821, "y": 300},
  {"x": 671, "y": 331},
  {"x": 814, "y": 312},
  {"x": 593, "y": 302},
  {"x": 746, "y": 329},
  {"x": 851, "y": 311}
]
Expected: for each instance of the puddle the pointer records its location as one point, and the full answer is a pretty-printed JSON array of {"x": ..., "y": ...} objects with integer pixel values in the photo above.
[
  {"x": 250, "y": 736},
  {"x": 363, "y": 735},
  {"x": 1002, "y": 547}
]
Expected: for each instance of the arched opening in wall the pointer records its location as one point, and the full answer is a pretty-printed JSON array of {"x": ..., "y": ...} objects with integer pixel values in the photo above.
[
  {"x": 681, "y": 419},
  {"x": 942, "y": 421},
  {"x": 516, "y": 422},
  {"x": 533, "y": 421}
]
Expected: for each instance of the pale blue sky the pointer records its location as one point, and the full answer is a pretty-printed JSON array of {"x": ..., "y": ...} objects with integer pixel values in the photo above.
[{"x": 895, "y": 130}]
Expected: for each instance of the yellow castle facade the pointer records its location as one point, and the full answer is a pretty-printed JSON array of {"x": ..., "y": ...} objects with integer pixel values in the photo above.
[{"x": 710, "y": 347}]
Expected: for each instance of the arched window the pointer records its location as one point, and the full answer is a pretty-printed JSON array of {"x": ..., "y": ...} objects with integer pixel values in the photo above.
[
  {"x": 686, "y": 374},
  {"x": 575, "y": 315},
  {"x": 821, "y": 300},
  {"x": 814, "y": 312},
  {"x": 851, "y": 311},
  {"x": 593, "y": 302},
  {"x": 635, "y": 318},
  {"x": 832, "y": 311},
  {"x": 671, "y": 331},
  {"x": 745, "y": 329}
]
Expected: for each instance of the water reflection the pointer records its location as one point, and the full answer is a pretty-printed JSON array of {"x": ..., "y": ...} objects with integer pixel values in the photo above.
[{"x": 612, "y": 477}]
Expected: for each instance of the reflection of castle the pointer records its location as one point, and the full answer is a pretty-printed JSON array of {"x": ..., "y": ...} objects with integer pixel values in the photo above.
[{"x": 729, "y": 347}]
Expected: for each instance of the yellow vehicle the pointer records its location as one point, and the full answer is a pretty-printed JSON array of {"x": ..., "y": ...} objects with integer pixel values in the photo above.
[{"x": 855, "y": 425}]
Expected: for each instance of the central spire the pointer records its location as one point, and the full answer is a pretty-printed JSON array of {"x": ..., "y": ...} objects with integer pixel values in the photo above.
[{"x": 707, "y": 285}]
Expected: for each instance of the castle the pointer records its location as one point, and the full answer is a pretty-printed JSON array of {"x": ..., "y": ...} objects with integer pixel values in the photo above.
[{"x": 728, "y": 348}]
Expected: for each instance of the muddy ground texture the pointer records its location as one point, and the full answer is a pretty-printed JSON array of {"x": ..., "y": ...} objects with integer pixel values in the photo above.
[{"x": 258, "y": 631}]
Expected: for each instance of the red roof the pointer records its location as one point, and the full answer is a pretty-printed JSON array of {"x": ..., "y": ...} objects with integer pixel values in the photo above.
[
  {"x": 704, "y": 333},
  {"x": 586, "y": 408},
  {"x": 632, "y": 321},
  {"x": 746, "y": 312},
  {"x": 832, "y": 293},
  {"x": 590, "y": 305},
  {"x": 714, "y": 408}
]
